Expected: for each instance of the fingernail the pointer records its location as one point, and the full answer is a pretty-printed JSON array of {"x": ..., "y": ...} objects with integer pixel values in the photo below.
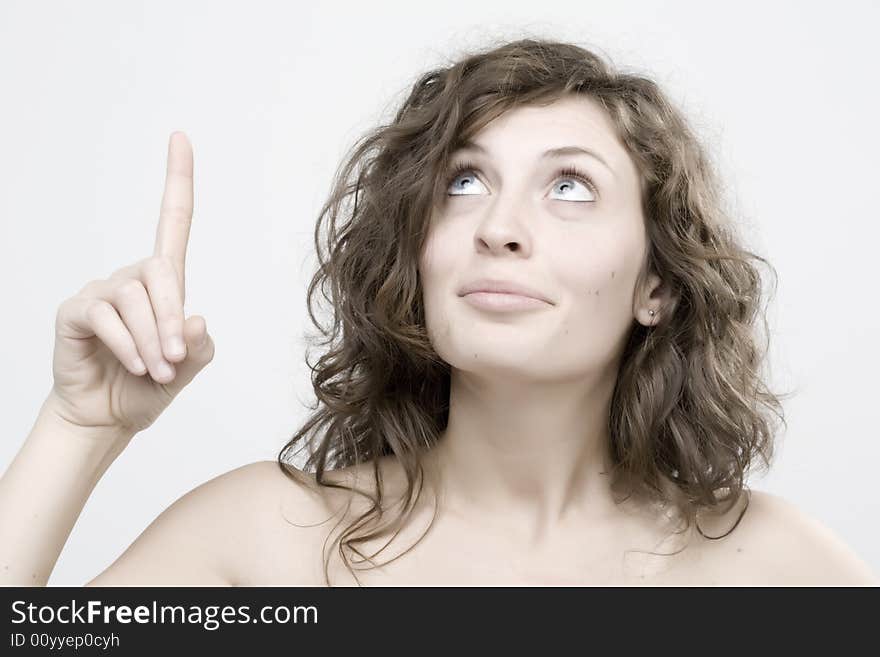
[{"x": 175, "y": 346}]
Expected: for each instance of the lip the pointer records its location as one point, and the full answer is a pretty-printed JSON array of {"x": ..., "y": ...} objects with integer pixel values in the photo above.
[
  {"x": 503, "y": 302},
  {"x": 489, "y": 286}
]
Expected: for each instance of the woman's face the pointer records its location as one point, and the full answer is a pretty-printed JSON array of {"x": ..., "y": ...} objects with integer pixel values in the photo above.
[{"x": 513, "y": 217}]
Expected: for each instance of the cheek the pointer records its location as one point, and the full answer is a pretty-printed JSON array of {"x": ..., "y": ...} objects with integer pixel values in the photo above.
[
  {"x": 436, "y": 270},
  {"x": 595, "y": 285},
  {"x": 434, "y": 241},
  {"x": 596, "y": 272},
  {"x": 439, "y": 260}
]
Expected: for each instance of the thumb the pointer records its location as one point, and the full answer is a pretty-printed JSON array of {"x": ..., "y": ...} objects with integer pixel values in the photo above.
[{"x": 199, "y": 352}]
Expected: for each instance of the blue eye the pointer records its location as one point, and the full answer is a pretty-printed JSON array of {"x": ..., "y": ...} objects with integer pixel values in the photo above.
[
  {"x": 465, "y": 167},
  {"x": 576, "y": 174},
  {"x": 567, "y": 173}
]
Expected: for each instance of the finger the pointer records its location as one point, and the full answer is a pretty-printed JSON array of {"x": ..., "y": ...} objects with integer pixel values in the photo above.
[
  {"x": 131, "y": 301},
  {"x": 199, "y": 352},
  {"x": 175, "y": 214},
  {"x": 160, "y": 279},
  {"x": 104, "y": 322}
]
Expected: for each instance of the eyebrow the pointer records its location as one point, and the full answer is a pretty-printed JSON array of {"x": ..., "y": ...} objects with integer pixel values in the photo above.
[{"x": 561, "y": 151}]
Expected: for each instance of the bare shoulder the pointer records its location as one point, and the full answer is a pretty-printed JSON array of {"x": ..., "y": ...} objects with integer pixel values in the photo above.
[
  {"x": 777, "y": 543},
  {"x": 284, "y": 517},
  {"x": 290, "y": 518},
  {"x": 212, "y": 534}
]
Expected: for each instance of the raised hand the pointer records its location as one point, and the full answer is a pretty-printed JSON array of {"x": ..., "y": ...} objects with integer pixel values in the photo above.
[{"x": 123, "y": 349}]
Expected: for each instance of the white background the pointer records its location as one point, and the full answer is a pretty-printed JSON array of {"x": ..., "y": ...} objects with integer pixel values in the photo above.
[{"x": 271, "y": 95}]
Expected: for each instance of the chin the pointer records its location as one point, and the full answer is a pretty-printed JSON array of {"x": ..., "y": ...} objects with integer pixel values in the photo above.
[{"x": 496, "y": 358}]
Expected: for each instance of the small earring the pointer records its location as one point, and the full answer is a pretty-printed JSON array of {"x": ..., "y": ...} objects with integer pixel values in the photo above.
[{"x": 651, "y": 313}]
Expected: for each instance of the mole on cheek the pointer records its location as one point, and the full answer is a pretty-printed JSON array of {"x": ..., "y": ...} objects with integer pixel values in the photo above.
[{"x": 612, "y": 274}]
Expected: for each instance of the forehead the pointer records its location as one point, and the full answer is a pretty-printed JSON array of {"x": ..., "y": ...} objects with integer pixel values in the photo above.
[
  {"x": 578, "y": 111},
  {"x": 528, "y": 130}
]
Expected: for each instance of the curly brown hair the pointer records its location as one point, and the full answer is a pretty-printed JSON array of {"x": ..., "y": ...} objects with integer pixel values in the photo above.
[{"x": 689, "y": 411}]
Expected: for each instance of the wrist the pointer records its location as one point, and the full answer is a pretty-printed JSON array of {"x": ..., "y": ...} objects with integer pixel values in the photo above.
[{"x": 54, "y": 419}]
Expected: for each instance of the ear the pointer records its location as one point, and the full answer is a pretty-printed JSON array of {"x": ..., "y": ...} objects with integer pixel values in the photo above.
[{"x": 654, "y": 295}]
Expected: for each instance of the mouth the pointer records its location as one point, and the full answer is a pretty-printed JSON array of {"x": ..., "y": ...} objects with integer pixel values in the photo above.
[
  {"x": 503, "y": 301},
  {"x": 498, "y": 286}
]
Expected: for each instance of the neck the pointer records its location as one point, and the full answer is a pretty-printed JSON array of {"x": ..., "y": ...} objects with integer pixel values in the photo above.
[{"x": 534, "y": 454}]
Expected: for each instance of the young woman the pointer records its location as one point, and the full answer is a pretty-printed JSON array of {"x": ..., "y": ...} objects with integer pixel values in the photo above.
[{"x": 541, "y": 367}]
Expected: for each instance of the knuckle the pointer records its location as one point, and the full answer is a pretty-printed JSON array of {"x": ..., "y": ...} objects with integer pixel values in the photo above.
[
  {"x": 65, "y": 305},
  {"x": 170, "y": 325},
  {"x": 150, "y": 347},
  {"x": 63, "y": 311},
  {"x": 123, "y": 272},
  {"x": 129, "y": 288},
  {"x": 91, "y": 288},
  {"x": 94, "y": 309}
]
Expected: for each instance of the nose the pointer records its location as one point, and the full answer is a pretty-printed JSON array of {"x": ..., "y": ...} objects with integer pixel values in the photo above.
[{"x": 503, "y": 229}]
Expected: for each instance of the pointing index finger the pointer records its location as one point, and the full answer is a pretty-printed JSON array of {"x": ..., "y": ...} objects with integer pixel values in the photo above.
[{"x": 175, "y": 214}]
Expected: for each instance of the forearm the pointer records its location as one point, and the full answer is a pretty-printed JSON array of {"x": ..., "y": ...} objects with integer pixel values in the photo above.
[{"x": 44, "y": 490}]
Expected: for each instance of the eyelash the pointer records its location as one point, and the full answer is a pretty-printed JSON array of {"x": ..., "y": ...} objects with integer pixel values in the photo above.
[{"x": 564, "y": 172}]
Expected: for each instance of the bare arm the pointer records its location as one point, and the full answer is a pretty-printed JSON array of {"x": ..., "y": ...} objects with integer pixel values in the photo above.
[
  {"x": 209, "y": 536},
  {"x": 45, "y": 488},
  {"x": 43, "y": 491},
  {"x": 206, "y": 537}
]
